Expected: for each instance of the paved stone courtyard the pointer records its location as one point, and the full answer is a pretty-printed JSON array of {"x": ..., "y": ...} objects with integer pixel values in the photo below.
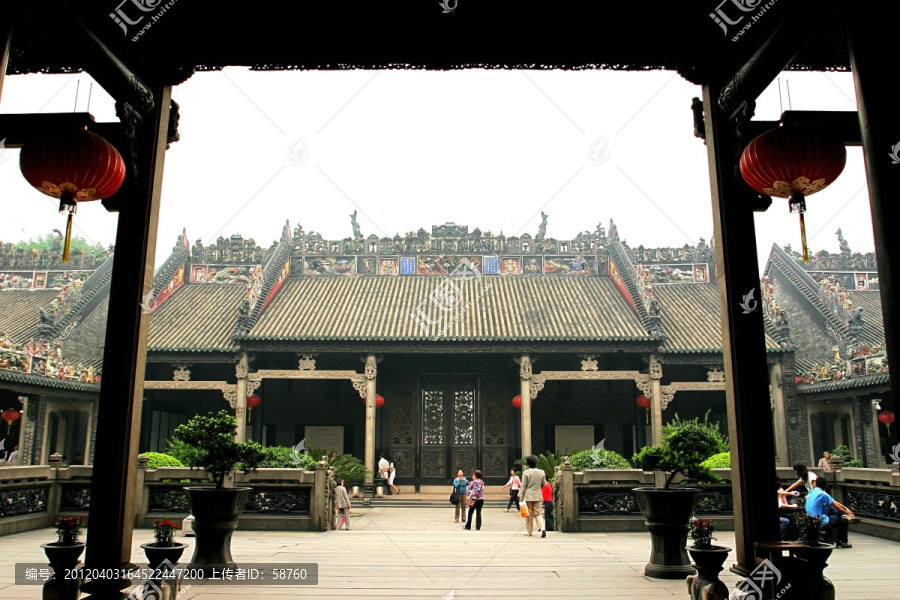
[{"x": 413, "y": 553}]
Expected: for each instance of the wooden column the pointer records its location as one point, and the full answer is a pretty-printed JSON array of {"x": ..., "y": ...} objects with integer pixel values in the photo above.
[
  {"x": 525, "y": 392},
  {"x": 879, "y": 120},
  {"x": 776, "y": 397},
  {"x": 121, "y": 391},
  {"x": 656, "y": 418},
  {"x": 743, "y": 341},
  {"x": 5, "y": 45},
  {"x": 371, "y": 374}
]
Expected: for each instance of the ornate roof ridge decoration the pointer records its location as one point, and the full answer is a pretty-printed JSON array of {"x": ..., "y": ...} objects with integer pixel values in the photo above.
[
  {"x": 233, "y": 250},
  {"x": 42, "y": 360},
  {"x": 811, "y": 290},
  {"x": 89, "y": 294},
  {"x": 449, "y": 238},
  {"x": 262, "y": 282},
  {"x": 647, "y": 307},
  {"x": 843, "y": 260},
  {"x": 775, "y": 319},
  {"x": 180, "y": 255},
  {"x": 687, "y": 254},
  {"x": 861, "y": 362},
  {"x": 22, "y": 259}
]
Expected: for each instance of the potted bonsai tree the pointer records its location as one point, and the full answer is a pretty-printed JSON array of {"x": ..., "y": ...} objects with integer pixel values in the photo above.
[
  {"x": 207, "y": 442},
  {"x": 685, "y": 445}
]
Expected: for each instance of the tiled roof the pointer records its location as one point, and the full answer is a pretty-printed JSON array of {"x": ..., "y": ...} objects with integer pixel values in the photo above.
[
  {"x": 691, "y": 319},
  {"x": 846, "y": 384},
  {"x": 873, "y": 322},
  {"x": 50, "y": 382},
  {"x": 197, "y": 317},
  {"x": 512, "y": 308},
  {"x": 19, "y": 312}
]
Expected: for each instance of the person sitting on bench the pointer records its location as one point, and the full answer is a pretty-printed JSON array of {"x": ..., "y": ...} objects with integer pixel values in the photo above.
[{"x": 818, "y": 501}]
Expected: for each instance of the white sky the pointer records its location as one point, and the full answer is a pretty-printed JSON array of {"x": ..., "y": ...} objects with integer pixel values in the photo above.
[{"x": 411, "y": 149}]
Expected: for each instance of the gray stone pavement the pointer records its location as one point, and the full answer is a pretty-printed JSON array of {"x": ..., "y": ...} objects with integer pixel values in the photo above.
[{"x": 412, "y": 553}]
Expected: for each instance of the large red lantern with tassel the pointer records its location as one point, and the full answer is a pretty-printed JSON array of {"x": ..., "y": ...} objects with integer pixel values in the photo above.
[
  {"x": 252, "y": 402},
  {"x": 9, "y": 415},
  {"x": 74, "y": 166},
  {"x": 793, "y": 161},
  {"x": 886, "y": 417},
  {"x": 644, "y": 402}
]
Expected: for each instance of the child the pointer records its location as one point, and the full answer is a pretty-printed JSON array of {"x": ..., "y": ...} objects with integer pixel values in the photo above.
[{"x": 342, "y": 504}]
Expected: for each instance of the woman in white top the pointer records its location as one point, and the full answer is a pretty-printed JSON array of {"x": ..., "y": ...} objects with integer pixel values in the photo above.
[
  {"x": 392, "y": 472},
  {"x": 513, "y": 485},
  {"x": 806, "y": 477}
]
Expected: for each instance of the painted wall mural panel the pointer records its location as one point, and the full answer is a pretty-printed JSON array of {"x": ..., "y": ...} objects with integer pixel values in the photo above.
[
  {"x": 675, "y": 273},
  {"x": 329, "y": 265},
  {"x": 389, "y": 265},
  {"x": 367, "y": 265},
  {"x": 176, "y": 282},
  {"x": 510, "y": 265},
  {"x": 407, "y": 265},
  {"x": 491, "y": 265},
  {"x": 532, "y": 265},
  {"x": 228, "y": 274},
  {"x": 442, "y": 264},
  {"x": 570, "y": 265}
]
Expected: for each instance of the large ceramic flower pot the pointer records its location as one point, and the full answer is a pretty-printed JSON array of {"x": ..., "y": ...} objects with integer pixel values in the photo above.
[
  {"x": 62, "y": 557},
  {"x": 158, "y": 555},
  {"x": 709, "y": 563},
  {"x": 668, "y": 514},
  {"x": 216, "y": 513},
  {"x": 819, "y": 587}
]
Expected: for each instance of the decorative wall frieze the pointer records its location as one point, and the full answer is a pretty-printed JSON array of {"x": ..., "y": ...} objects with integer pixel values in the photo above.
[
  {"x": 656, "y": 371},
  {"x": 254, "y": 380}
]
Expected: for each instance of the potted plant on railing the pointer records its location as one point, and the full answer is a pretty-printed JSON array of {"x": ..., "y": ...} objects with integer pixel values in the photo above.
[
  {"x": 708, "y": 561},
  {"x": 815, "y": 553},
  {"x": 165, "y": 548},
  {"x": 207, "y": 442},
  {"x": 685, "y": 445}
]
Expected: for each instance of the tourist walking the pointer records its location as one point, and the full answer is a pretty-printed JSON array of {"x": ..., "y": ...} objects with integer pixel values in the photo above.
[
  {"x": 383, "y": 466},
  {"x": 476, "y": 500},
  {"x": 392, "y": 472},
  {"x": 342, "y": 505},
  {"x": 461, "y": 487},
  {"x": 530, "y": 491},
  {"x": 513, "y": 485}
]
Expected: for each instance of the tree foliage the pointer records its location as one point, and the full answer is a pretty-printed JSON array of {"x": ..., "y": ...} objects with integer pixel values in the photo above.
[
  {"x": 53, "y": 241},
  {"x": 722, "y": 460},
  {"x": 685, "y": 446},
  {"x": 846, "y": 456},
  {"x": 155, "y": 460},
  {"x": 207, "y": 442}
]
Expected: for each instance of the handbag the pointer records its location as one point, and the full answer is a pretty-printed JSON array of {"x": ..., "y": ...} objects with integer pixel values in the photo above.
[
  {"x": 471, "y": 502},
  {"x": 454, "y": 498}
]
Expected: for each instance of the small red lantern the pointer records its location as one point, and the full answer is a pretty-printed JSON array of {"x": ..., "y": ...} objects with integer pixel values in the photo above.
[
  {"x": 379, "y": 400},
  {"x": 74, "y": 166},
  {"x": 517, "y": 401},
  {"x": 886, "y": 417},
  {"x": 793, "y": 161},
  {"x": 9, "y": 415},
  {"x": 252, "y": 402},
  {"x": 644, "y": 402}
]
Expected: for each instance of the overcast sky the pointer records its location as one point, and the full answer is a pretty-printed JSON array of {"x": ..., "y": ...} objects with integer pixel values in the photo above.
[{"x": 411, "y": 149}]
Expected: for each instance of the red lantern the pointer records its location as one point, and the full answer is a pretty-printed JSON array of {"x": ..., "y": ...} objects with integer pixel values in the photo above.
[
  {"x": 252, "y": 402},
  {"x": 74, "y": 166},
  {"x": 517, "y": 401},
  {"x": 9, "y": 415},
  {"x": 886, "y": 417},
  {"x": 793, "y": 161},
  {"x": 379, "y": 400},
  {"x": 644, "y": 402}
]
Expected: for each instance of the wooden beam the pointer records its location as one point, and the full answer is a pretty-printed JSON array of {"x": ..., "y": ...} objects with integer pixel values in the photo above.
[
  {"x": 743, "y": 341},
  {"x": 121, "y": 390},
  {"x": 880, "y": 123}
]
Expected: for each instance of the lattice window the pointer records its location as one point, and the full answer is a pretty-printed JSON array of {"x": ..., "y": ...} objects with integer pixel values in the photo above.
[
  {"x": 433, "y": 416},
  {"x": 464, "y": 417}
]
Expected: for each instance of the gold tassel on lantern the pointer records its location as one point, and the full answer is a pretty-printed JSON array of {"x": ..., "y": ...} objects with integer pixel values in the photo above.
[{"x": 797, "y": 201}]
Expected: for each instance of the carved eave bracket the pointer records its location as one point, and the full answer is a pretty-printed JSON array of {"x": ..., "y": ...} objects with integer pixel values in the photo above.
[
  {"x": 668, "y": 391},
  {"x": 229, "y": 390},
  {"x": 254, "y": 380}
]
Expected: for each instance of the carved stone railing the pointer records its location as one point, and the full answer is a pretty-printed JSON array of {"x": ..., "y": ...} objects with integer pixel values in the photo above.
[{"x": 282, "y": 499}]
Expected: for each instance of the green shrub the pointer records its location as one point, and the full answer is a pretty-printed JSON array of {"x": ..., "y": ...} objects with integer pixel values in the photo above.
[
  {"x": 207, "y": 442},
  {"x": 844, "y": 452},
  {"x": 685, "y": 446},
  {"x": 285, "y": 457},
  {"x": 721, "y": 460},
  {"x": 598, "y": 459},
  {"x": 156, "y": 460}
]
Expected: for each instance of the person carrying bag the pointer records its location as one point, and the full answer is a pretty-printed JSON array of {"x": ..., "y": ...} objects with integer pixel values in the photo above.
[{"x": 458, "y": 497}]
